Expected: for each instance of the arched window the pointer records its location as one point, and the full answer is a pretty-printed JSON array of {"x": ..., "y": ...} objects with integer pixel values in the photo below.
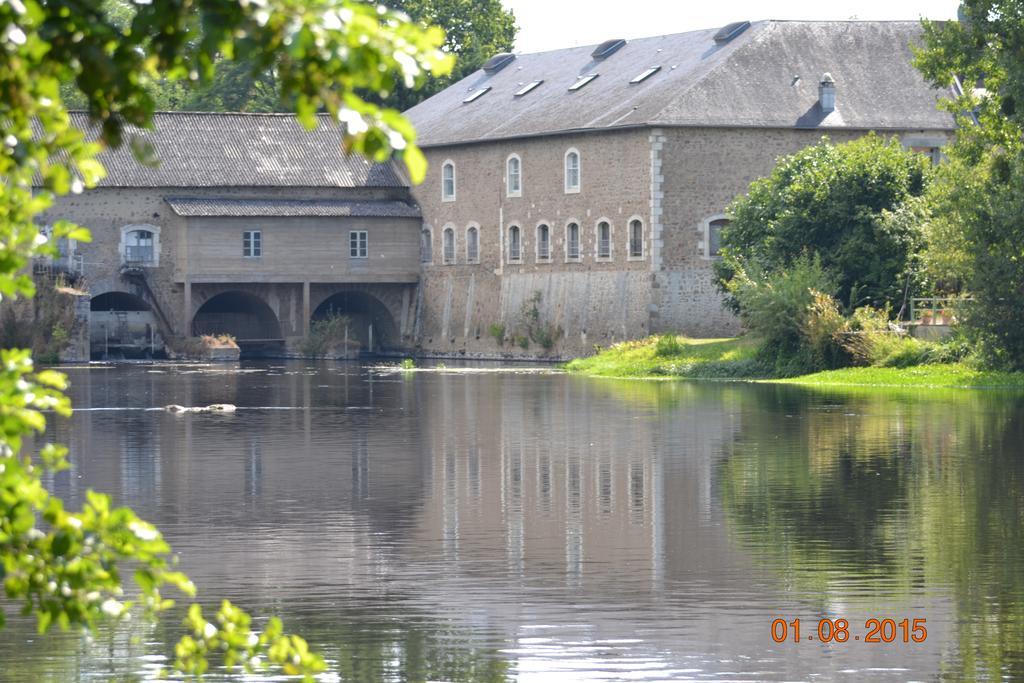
[
  {"x": 572, "y": 241},
  {"x": 140, "y": 245},
  {"x": 449, "y": 245},
  {"x": 515, "y": 245},
  {"x": 713, "y": 235},
  {"x": 472, "y": 245},
  {"x": 636, "y": 239},
  {"x": 572, "y": 171},
  {"x": 426, "y": 246},
  {"x": 514, "y": 176},
  {"x": 604, "y": 241},
  {"x": 448, "y": 181},
  {"x": 543, "y": 242}
]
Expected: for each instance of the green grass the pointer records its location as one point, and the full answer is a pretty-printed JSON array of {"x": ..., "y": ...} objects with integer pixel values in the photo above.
[
  {"x": 736, "y": 359},
  {"x": 691, "y": 358}
]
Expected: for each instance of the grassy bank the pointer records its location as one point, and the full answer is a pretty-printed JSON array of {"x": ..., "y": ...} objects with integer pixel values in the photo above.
[{"x": 669, "y": 357}]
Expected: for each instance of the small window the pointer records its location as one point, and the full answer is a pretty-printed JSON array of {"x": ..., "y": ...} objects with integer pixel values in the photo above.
[
  {"x": 527, "y": 88},
  {"x": 426, "y": 246},
  {"x": 713, "y": 237},
  {"x": 476, "y": 95},
  {"x": 514, "y": 176},
  {"x": 543, "y": 242},
  {"x": 582, "y": 81},
  {"x": 252, "y": 244},
  {"x": 448, "y": 181},
  {"x": 604, "y": 240},
  {"x": 449, "y": 245},
  {"x": 138, "y": 248},
  {"x": 515, "y": 245},
  {"x": 636, "y": 239},
  {"x": 357, "y": 244},
  {"x": 572, "y": 242},
  {"x": 472, "y": 245},
  {"x": 572, "y": 171},
  {"x": 644, "y": 75}
]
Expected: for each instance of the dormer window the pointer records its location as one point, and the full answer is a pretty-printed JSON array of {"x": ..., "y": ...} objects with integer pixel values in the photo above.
[
  {"x": 827, "y": 93},
  {"x": 582, "y": 81},
  {"x": 514, "y": 176},
  {"x": 448, "y": 181}
]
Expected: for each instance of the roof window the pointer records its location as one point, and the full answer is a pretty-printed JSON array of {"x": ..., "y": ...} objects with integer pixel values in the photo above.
[
  {"x": 498, "y": 62},
  {"x": 582, "y": 81},
  {"x": 730, "y": 31},
  {"x": 607, "y": 48},
  {"x": 476, "y": 95},
  {"x": 527, "y": 88},
  {"x": 644, "y": 75}
]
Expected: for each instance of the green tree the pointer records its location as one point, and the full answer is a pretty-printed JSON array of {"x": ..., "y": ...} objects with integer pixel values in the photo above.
[
  {"x": 978, "y": 220},
  {"x": 475, "y": 30},
  {"x": 67, "y": 566},
  {"x": 854, "y": 205}
]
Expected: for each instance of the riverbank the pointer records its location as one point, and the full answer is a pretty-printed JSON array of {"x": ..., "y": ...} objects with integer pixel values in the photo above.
[{"x": 669, "y": 357}]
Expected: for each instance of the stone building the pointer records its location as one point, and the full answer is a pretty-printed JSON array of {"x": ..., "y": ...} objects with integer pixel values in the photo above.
[
  {"x": 575, "y": 197},
  {"x": 249, "y": 225}
]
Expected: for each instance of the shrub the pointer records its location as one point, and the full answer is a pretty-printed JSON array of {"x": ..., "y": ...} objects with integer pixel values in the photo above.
[
  {"x": 326, "y": 335},
  {"x": 408, "y": 364},
  {"x": 523, "y": 342},
  {"x": 668, "y": 345},
  {"x": 497, "y": 330}
]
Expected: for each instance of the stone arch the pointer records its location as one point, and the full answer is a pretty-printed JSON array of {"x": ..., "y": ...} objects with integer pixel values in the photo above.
[
  {"x": 367, "y": 312},
  {"x": 245, "y": 316},
  {"x": 123, "y": 325}
]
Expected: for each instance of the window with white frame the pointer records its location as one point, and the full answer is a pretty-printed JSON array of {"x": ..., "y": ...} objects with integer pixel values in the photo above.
[
  {"x": 514, "y": 176},
  {"x": 572, "y": 171},
  {"x": 604, "y": 241},
  {"x": 543, "y": 242},
  {"x": 515, "y": 244},
  {"x": 252, "y": 244},
  {"x": 449, "y": 245},
  {"x": 713, "y": 235},
  {"x": 426, "y": 246},
  {"x": 472, "y": 244},
  {"x": 448, "y": 181},
  {"x": 636, "y": 239},
  {"x": 572, "y": 241},
  {"x": 357, "y": 244},
  {"x": 139, "y": 248}
]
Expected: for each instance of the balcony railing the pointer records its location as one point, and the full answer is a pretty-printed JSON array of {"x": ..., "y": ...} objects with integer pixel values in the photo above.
[{"x": 138, "y": 255}]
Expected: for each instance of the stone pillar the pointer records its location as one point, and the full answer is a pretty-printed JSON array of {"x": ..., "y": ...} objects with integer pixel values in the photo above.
[
  {"x": 186, "y": 321},
  {"x": 305, "y": 308}
]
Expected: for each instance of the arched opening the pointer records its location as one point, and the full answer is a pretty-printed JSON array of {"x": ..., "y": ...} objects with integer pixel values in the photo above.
[
  {"x": 371, "y": 325},
  {"x": 246, "y": 317},
  {"x": 122, "y": 325}
]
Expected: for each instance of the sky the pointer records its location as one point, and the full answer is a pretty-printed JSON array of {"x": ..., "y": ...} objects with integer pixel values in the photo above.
[{"x": 553, "y": 24}]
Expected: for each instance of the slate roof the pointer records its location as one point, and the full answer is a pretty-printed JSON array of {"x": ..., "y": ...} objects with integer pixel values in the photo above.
[
  {"x": 216, "y": 206},
  {"x": 765, "y": 77},
  {"x": 241, "y": 150}
]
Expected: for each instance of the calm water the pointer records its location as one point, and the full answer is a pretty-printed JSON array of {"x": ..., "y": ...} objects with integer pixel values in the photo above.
[{"x": 491, "y": 527}]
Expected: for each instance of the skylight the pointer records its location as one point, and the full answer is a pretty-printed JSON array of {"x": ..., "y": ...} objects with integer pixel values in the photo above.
[
  {"x": 583, "y": 80},
  {"x": 476, "y": 94},
  {"x": 645, "y": 75},
  {"x": 527, "y": 88}
]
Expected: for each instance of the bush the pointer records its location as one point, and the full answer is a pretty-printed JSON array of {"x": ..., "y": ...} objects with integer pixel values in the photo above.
[
  {"x": 326, "y": 335},
  {"x": 497, "y": 330},
  {"x": 668, "y": 345}
]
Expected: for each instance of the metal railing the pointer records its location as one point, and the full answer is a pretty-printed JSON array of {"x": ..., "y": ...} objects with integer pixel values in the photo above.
[
  {"x": 604, "y": 249},
  {"x": 935, "y": 310},
  {"x": 138, "y": 255}
]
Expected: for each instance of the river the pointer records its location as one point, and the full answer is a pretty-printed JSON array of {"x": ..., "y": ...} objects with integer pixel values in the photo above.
[{"x": 480, "y": 526}]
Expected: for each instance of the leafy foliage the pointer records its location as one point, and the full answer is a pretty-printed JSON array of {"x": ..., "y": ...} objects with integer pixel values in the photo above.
[
  {"x": 68, "y": 567},
  {"x": 979, "y": 238},
  {"x": 326, "y": 335},
  {"x": 851, "y": 205}
]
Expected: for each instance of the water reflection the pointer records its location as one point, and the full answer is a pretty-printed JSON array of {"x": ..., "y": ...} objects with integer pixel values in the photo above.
[{"x": 496, "y": 527}]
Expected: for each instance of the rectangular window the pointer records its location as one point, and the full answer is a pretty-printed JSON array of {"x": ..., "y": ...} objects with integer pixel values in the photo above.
[
  {"x": 714, "y": 237},
  {"x": 604, "y": 240},
  {"x": 514, "y": 244},
  {"x": 252, "y": 244},
  {"x": 636, "y": 239},
  {"x": 583, "y": 80},
  {"x": 572, "y": 242},
  {"x": 472, "y": 246},
  {"x": 527, "y": 88},
  {"x": 477, "y": 94},
  {"x": 644, "y": 75},
  {"x": 357, "y": 244},
  {"x": 543, "y": 243}
]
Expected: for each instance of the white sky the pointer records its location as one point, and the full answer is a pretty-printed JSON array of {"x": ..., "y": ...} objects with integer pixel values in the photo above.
[{"x": 553, "y": 24}]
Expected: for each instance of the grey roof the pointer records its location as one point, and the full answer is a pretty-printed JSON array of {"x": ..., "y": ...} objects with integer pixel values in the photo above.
[
  {"x": 216, "y": 206},
  {"x": 236, "y": 150},
  {"x": 767, "y": 76}
]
